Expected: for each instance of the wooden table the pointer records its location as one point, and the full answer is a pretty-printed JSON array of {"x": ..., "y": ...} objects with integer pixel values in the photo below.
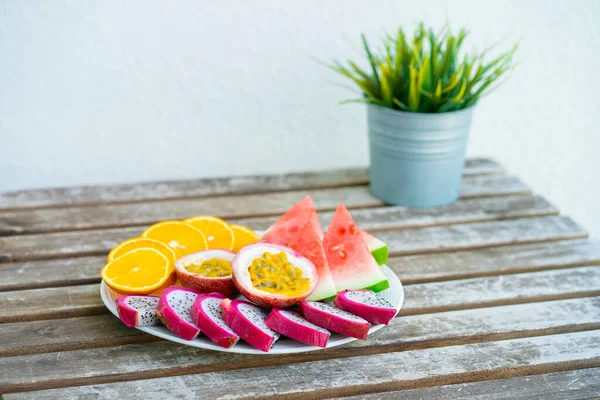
[{"x": 502, "y": 296}]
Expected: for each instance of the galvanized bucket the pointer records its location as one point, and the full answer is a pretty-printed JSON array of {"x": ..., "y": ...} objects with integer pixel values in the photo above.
[{"x": 417, "y": 159}]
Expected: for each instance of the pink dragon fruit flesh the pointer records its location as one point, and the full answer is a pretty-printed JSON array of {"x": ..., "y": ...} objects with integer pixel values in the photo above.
[
  {"x": 209, "y": 317},
  {"x": 335, "y": 319},
  {"x": 366, "y": 304},
  {"x": 248, "y": 321},
  {"x": 174, "y": 310},
  {"x": 293, "y": 325},
  {"x": 137, "y": 310}
]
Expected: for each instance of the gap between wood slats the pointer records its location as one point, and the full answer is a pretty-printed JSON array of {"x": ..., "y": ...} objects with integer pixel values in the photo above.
[
  {"x": 400, "y": 242},
  {"x": 239, "y": 206},
  {"x": 74, "y": 301},
  {"x": 156, "y": 191},
  {"x": 577, "y": 384},
  {"x": 371, "y": 373}
]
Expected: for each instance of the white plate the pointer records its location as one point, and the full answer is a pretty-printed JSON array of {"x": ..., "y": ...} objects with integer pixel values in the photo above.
[{"x": 395, "y": 295}]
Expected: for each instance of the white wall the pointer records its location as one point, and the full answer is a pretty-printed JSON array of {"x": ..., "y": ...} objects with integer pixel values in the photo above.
[{"x": 101, "y": 92}]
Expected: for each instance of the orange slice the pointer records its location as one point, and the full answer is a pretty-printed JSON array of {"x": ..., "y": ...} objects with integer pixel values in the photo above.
[
  {"x": 138, "y": 243},
  {"x": 183, "y": 238},
  {"x": 218, "y": 233},
  {"x": 243, "y": 236},
  {"x": 139, "y": 271}
]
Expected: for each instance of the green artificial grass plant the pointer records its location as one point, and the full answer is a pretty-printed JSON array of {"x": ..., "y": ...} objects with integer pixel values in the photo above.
[{"x": 425, "y": 74}]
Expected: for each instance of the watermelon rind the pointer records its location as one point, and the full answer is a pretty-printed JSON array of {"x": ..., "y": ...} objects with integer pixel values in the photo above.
[{"x": 378, "y": 249}]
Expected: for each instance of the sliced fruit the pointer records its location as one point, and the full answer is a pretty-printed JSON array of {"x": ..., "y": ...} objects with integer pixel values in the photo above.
[
  {"x": 210, "y": 318},
  {"x": 218, "y": 233},
  {"x": 140, "y": 271},
  {"x": 335, "y": 319},
  {"x": 174, "y": 310},
  {"x": 180, "y": 236},
  {"x": 136, "y": 310},
  {"x": 243, "y": 236},
  {"x": 207, "y": 271},
  {"x": 248, "y": 321},
  {"x": 350, "y": 261},
  {"x": 308, "y": 242},
  {"x": 295, "y": 326},
  {"x": 367, "y": 305},
  {"x": 290, "y": 223},
  {"x": 273, "y": 276},
  {"x": 378, "y": 249},
  {"x": 138, "y": 243}
]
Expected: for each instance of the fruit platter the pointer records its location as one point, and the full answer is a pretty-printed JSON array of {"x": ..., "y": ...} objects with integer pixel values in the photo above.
[{"x": 205, "y": 283}]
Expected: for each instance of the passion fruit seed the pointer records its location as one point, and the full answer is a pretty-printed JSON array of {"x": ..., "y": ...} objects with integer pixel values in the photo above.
[
  {"x": 213, "y": 268},
  {"x": 273, "y": 273}
]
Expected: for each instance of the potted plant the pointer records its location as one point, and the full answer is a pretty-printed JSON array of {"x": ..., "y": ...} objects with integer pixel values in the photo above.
[{"x": 420, "y": 94}]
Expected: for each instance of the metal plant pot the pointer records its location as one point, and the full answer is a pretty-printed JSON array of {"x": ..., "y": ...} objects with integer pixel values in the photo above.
[{"x": 417, "y": 159}]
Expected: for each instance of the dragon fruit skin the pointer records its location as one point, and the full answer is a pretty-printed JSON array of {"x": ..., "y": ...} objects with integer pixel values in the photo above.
[
  {"x": 334, "y": 319},
  {"x": 293, "y": 325},
  {"x": 174, "y": 309},
  {"x": 248, "y": 321},
  {"x": 137, "y": 310},
  {"x": 366, "y": 304},
  {"x": 209, "y": 318}
]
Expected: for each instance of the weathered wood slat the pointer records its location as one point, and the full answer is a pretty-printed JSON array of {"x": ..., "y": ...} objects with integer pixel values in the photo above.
[
  {"x": 28, "y": 305},
  {"x": 50, "y": 273},
  {"x": 495, "y": 261},
  {"x": 67, "y": 334},
  {"x": 204, "y": 187},
  {"x": 577, "y": 384},
  {"x": 142, "y": 214},
  {"x": 61, "y": 302},
  {"x": 480, "y": 234},
  {"x": 369, "y": 373},
  {"x": 410, "y": 241},
  {"x": 83, "y": 270},
  {"x": 500, "y": 290},
  {"x": 472, "y": 210},
  {"x": 406, "y": 333}
]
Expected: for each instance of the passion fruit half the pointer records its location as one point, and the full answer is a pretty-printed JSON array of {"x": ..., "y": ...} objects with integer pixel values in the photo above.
[
  {"x": 207, "y": 271},
  {"x": 273, "y": 276}
]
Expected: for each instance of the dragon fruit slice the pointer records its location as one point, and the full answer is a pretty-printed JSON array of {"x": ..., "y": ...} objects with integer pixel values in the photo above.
[
  {"x": 137, "y": 310},
  {"x": 248, "y": 321},
  {"x": 367, "y": 305},
  {"x": 293, "y": 325},
  {"x": 335, "y": 319},
  {"x": 174, "y": 309},
  {"x": 209, "y": 317}
]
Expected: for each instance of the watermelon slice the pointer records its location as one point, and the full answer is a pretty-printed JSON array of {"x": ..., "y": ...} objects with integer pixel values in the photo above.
[
  {"x": 308, "y": 242},
  {"x": 350, "y": 262},
  {"x": 290, "y": 223},
  {"x": 378, "y": 249}
]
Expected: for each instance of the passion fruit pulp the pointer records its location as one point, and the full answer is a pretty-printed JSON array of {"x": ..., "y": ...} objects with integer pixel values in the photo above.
[
  {"x": 273, "y": 276},
  {"x": 207, "y": 271}
]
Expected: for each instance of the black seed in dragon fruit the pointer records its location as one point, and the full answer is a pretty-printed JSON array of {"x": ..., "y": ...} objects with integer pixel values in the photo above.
[
  {"x": 367, "y": 305},
  {"x": 335, "y": 319},
  {"x": 174, "y": 310},
  {"x": 248, "y": 321},
  {"x": 293, "y": 325},
  {"x": 209, "y": 317},
  {"x": 137, "y": 310}
]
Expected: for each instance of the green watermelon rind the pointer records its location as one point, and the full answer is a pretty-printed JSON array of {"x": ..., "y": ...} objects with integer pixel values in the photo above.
[
  {"x": 378, "y": 248},
  {"x": 380, "y": 286},
  {"x": 380, "y": 255}
]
